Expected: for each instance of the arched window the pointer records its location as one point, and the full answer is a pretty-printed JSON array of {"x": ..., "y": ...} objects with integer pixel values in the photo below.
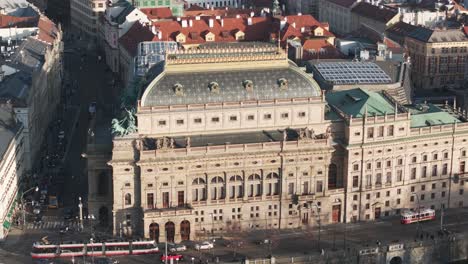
[
  {"x": 217, "y": 180},
  {"x": 272, "y": 181},
  {"x": 217, "y": 188},
  {"x": 235, "y": 187},
  {"x": 128, "y": 199},
  {"x": 332, "y": 176},
  {"x": 198, "y": 190},
  {"x": 255, "y": 187},
  {"x": 198, "y": 181}
]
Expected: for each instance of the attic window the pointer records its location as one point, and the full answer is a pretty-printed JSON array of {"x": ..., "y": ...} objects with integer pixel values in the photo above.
[
  {"x": 225, "y": 34},
  {"x": 178, "y": 89},
  {"x": 214, "y": 87},
  {"x": 248, "y": 85},
  {"x": 283, "y": 83}
]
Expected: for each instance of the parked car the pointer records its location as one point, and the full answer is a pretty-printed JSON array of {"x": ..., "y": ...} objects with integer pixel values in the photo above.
[
  {"x": 176, "y": 247},
  {"x": 37, "y": 210},
  {"x": 263, "y": 242},
  {"x": 172, "y": 257},
  {"x": 204, "y": 245},
  {"x": 67, "y": 214},
  {"x": 38, "y": 219}
]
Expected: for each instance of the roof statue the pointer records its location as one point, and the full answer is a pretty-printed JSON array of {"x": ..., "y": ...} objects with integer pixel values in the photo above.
[
  {"x": 126, "y": 125},
  {"x": 306, "y": 134}
]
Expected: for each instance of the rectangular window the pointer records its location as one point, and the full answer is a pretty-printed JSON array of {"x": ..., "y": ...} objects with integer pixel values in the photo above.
[
  {"x": 180, "y": 121},
  {"x": 370, "y": 132},
  {"x": 368, "y": 180},
  {"x": 150, "y": 200},
  {"x": 399, "y": 175},
  {"x": 267, "y": 116},
  {"x": 306, "y": 188},
  {"x": 250, "y": 117},
  {"x": 381, "y": 131},
  {"x": 435, "y": 157},
  {"x": 291, "y": 188},
  {"x": 444, "y": 169},
  {"x": 423, "y": 171},
  {"x": 390, "y": 130},
  {"x": 215, "y": 119},
  {"x": 389, "y": 177},
  {"x": 423, "y": 187},
  {"x": 233, "y": 118},
  {"x": 378, "y": 179},
  {"x": 355, "y": 181},
  {"x": 379, "y": 165},
  {"x": 319, "y": 186},
  {"x": 369, "y": 166},
  {"x": 434, "y": 170},
  {"x": 197, "y": 120},
  {"x": 462, "y": 167},
  {"x": 162, "y": 122},
  {"x": 301, "y": 114},
  {"x": 413, "y": 173},
  {"x": 165, "y": 199},
  {"x": 442, "y": 194},
  {"x": 180, "y": 198},
  {"x": 355, "y": 167},
  {"x": 284, "y": 115}
]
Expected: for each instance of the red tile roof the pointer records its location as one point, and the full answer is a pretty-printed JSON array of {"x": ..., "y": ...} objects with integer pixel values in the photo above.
[
  {"x": 157, "y": 13},
  {"x": 465, "y": 29},
  {"x": 136, "y": 34},
  {"x": 47, "y": 30},
  {"x": 224, "y": 29},
  {"x": 319, "y": 48},
  {"x": 12, "y": 21}
]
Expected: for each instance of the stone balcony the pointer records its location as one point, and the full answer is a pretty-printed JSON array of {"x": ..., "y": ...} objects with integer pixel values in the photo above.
[{"x": 185, "y": 209}]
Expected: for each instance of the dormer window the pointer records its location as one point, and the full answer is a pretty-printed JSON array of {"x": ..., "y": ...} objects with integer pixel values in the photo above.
[
  {"x": 214, "y": 87},
  {"x": 283, "y": 83},
  {"x": 248, "y": 85},
  {"x": 178, "y": 89}
]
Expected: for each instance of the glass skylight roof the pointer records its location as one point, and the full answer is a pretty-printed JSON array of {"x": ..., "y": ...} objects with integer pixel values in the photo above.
[
  {"x": 150, "y": 53},
  {"x": 352, "y": 73}
]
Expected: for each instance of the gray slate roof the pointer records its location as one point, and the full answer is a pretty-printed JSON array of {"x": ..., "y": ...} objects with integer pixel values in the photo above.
[
  {"x": 431, "y": 36},
  {"x": 196, "y": 90}
]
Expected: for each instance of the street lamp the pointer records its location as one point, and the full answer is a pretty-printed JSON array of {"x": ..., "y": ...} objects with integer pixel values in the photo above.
[
  {"x": 80, "y": 206},
  {"x": 36, "y": 189},
  {"x": 92, "y": 250},
  {"x": 91, "y": 219}
]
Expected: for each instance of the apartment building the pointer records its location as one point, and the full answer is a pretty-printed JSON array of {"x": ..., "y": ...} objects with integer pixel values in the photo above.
[{"x": 84, "y": 15}]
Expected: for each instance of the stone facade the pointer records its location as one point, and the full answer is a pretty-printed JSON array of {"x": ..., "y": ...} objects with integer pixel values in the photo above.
[
  {"x": 300, "y": 161},
  {"x": 84, "y": 15}
]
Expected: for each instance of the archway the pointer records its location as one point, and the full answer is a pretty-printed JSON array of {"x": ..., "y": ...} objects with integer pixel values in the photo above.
[
  {"x": 170, "y": 231},
  {"x": 396, "y": 260},
  {"x": 185, "y": 230},
  {"x": 104, "y": 216},
  {"x": 154, "y": 232}
]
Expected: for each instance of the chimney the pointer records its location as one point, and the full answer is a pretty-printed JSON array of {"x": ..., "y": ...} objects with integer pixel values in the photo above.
[
  {"x": 249, "y": 21},
  {"x": 153, "y": 29},
  {"x": 178, "y": 19},
  {"x": 222, "y": 22},
  {"x": 293, "y": 24},
  {"x": 302, "y": 29},
  {"x": 184, "y": 23},
  {"x": 252, "y": 14},
  {"x": 207, "y": 6},
  {"x": 218, "y": 17},
  {"x": 190, "y": 23},
  {"x": 211, "y": 22},
  {"x": 159, "y": 35},
  {"x": 299, "y": 14},
  {"x": 197, "y": 18},
  {"x": 237, "y": 16}
]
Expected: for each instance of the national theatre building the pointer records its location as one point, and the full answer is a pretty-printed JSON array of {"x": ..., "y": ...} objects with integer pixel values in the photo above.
[{"x": 236, "y": 137}]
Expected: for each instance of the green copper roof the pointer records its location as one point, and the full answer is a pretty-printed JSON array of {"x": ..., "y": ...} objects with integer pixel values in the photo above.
[
  {"x": 430, "y": 115},
  {"x": 355, "y": 101}
]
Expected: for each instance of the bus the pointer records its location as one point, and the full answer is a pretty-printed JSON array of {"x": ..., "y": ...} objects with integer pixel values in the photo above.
[
  {"x": 42, "y": 250},
  {"x": 409, "y": 217},
  {"x": 53, "y": 202}
]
